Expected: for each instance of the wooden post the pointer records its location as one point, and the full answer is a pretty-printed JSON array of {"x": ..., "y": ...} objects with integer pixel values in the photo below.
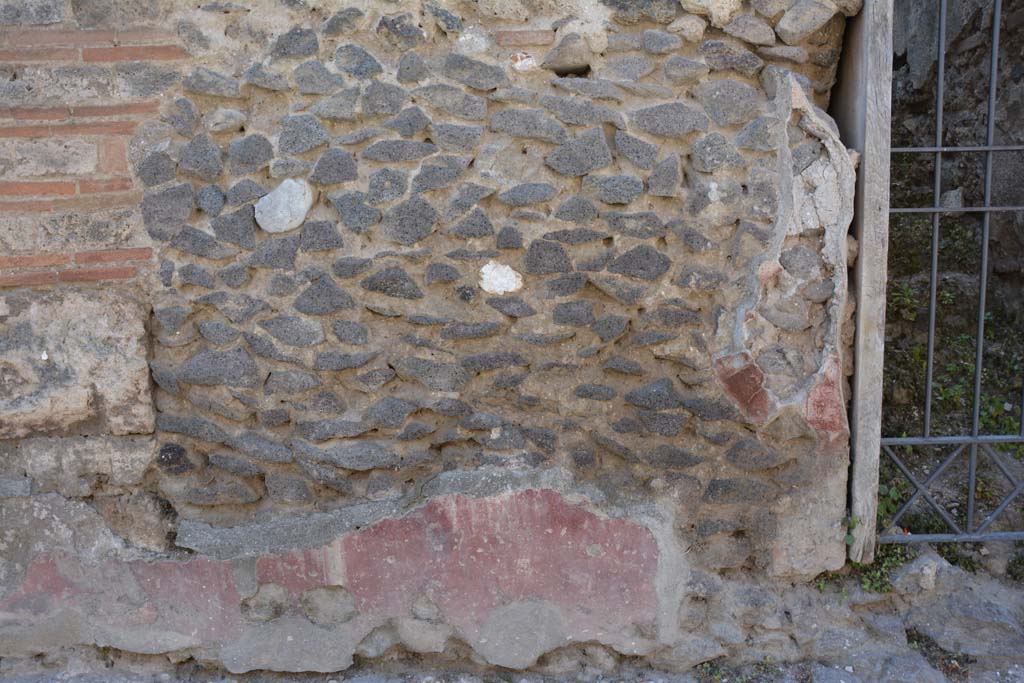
[{"x": 861, "y": 105}]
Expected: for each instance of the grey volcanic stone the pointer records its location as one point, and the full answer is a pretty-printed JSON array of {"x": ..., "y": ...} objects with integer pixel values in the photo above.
[
  {"x": 233, "y": 367},
  {"x": 198, "y": 243},
  {"x": 398, "y": 150},
  {"x": 334, "y": 166},
  {"x": 249, "y": 154},
  {"x": 580, "y": 112},
  {"x": 586, "y": 153},
  {"x": 528, "y": 123},
  {"x": 277, "y": 252},
  {"x": 217, "y": 332},
  {"x": 392, "y": 281},
  {"x": 383, "y": 99},
  {"x": 211, "y": 200},
  {"x": 670, "y": 120},
  {"x": 313, "y": 78},
  {"x": 595, "y": 392},
  {"x": 723, "y": 55},
  {"x": 728, "y": 102},
  {"x": 350, "y": 266},
  {"x": 259, "y": 76},
  {"x": 681, "y": 71},
  {"x": 615, "y": 189},
  {"x": 409, "y": 222},
  {"x": 470, "y": 330},
  {"x": 476, "y": 224},
  {"x": 155, "y": 168},
  {"x": 294, "y": 331},
  {"x": 358, "y": 455},
  {"x": 492, "y": 360},
  {"x": 640, "y": 225},
  {"x": 386, "y": 185},
  {"x": 322, "y": 430},
  {"x": 453, "y": 101},
  {"x": 201, "y": 158},
  {"x": 356, "y": 61},
  {"x": 234, "y": 275},
  {"x": 319, "y": 236},
  {"x": 445, "y": 20},
  {"x": 571, "y": 55},
  {"x": 631, "y": 68},
  {"x": 454, "y": 137},
  {"x": 297, "y": 42},
  {"x": 323, "y": 296},
  {"x": 389, "y": 412},
  {"x": 301, "y": 133},
  {"x": 643, "y": 262},
  {"x": 594, "y": 88},
  {"x": 164, "y": 211},
  {"x": 659, "y": 42},
  {"x": 528, "y": 193},
  {"x": 342, "y": 22},
  {"x": 751, "y": 455},
  {"x": 579, "y": 313},
  {"x": 238, "y": 227},
  {"x": 802, "y": 19},
  {"x": 577, "y": 209},
  {"x": 400, "y": 30},
  {"x": 752, "y": 29},
  {"x": 432, "y": 374},
  {"x": 713, "y": 151},
  {"x": 474, "y": 73},
  {"x": 566, "y": 285},
  {"x": 466, "y": 198},
  {"x": 351, "y": 332},
  {"x": 544, "y": 257},
  {"x": 509, "y": 238},
  {"x": 610, "y": 327},
  {"x": 208, "y": 82},
  {"x": 575, "y": 236},
  {"x": 341, "y": 106},
  {"x": 665, "y": 179},
  {"x": 335, "y": 360},
  {"x": 411, "y": 68},
  {"x": 441, "y": 272},
  {"x": 658, "y": 395},
  {"x": 733, "y": 491},
  {"x": 408, "y": 122},
  {"x": 290, "y": 382},
  {"x": 244, "y": 191},
  {"x": 639, "y": 152},
  {"x": 354, "y": 212},
  {"x": 761, "y": 134},
  {"x": 439, "y": 172}
]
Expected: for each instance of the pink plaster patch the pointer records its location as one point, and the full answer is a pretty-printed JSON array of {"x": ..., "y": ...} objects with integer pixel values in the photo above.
[
  {"x": 825, "y": 409},
  {"x": 472, "y": 555},
  {"x": 743, "y": 382}
]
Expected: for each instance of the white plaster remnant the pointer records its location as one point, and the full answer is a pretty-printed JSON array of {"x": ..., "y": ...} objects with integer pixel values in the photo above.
[
  {"x": 286, "y": 207},
  {"x": 497, "y": 278}
]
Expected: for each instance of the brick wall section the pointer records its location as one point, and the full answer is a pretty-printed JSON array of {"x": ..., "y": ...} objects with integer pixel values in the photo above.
[{"x": 99, "y": 129}]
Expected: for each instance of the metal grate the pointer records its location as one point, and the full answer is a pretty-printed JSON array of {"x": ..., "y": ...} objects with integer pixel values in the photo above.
[{"x": 976, "y": 448}]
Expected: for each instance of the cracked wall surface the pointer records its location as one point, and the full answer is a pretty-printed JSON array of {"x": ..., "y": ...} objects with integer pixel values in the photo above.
[{"x": 477, "y": 330}]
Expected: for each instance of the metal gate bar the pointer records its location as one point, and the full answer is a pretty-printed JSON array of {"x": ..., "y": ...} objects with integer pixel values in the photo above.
[{"x": 975, "y": 442}]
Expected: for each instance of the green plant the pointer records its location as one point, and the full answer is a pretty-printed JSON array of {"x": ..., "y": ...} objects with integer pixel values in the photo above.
[
  {"x": 890, "y": 498},
  {"x": 876, "y": 577},
  {"x": 1015, "y": 568},
  {"x": 903, "y": 301}
]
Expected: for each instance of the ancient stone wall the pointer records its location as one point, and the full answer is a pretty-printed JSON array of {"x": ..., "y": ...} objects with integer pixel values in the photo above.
[{"x": 503, "y": 332}]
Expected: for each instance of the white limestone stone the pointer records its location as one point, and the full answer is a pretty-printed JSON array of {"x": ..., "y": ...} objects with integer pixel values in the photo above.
[
  {"x": 286, "y": 207},
  {"x": 497, "y": 278}
]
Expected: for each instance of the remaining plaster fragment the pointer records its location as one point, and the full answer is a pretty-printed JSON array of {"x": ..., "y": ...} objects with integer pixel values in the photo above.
[{"x": 497, "y": 278}]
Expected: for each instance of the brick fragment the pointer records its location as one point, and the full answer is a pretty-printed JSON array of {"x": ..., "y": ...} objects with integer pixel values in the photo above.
[
  {"x": 113, "y": 255},
  {"x": 523, "y": 38},
  {"x": 97, "y": 274}
]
